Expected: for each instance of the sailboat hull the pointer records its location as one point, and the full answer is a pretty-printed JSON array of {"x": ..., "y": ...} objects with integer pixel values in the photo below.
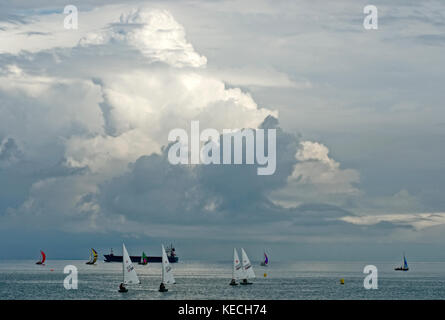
[{"x": 401, "y": 269}]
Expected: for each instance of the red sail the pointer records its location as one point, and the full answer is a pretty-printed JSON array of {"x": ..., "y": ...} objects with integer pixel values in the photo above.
[{"x": 43, "y": 256}]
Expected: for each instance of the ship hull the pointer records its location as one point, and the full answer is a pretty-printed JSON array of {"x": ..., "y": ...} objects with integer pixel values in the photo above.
[{"x": 113, "y": 258}]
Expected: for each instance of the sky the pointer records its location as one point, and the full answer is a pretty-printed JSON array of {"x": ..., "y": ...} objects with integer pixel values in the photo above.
[{"x": 85, "y": 115}]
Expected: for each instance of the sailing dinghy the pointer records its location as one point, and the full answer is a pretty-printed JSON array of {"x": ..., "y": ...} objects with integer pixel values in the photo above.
[
  {"x": 405, "y": 265},
  {"x": 167, "y": 272},
  {"x": 265, "y": 262},
  {"x": 129, "y": 273},
  {"x": 144, "y": 259},
  {"x": 42, "y": 259},
  {"x": 237, "y": 270},
  {"x": 93, "y": 257},
  {"x": 247, "y": 268}
]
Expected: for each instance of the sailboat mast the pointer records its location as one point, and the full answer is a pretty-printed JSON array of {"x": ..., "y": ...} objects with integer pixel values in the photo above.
[
  {"x": 123, "y": 264},
  {"x": 233, "y": 264},
  {"x": 163, "y": 273},
  {"x": 163, "y": 267}
]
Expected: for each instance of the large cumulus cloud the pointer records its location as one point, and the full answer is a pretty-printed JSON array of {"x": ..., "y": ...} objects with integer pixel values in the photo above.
[
  {"x": 155, "y": 190},
  {"x": 89, "y": 111}
]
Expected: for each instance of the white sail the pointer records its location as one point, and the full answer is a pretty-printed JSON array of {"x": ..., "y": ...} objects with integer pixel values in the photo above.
[
  {"x": 247, "y": 267},
  {"x": 130, "y": 276},
  {"x": 167, "y": 272},
  {"x": 237, "y": 272}
]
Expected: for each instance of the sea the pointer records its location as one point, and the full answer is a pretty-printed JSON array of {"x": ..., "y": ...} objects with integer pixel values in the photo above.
[{"x": 210, "y": 280}]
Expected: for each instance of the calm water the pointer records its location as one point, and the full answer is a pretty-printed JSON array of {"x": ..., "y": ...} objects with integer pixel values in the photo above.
[{"x": 300, "y": 280}]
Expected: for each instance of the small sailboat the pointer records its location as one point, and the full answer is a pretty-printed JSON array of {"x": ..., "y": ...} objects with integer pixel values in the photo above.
[
  {"x": 405, "y": 265},
  {"x": 42, "y": 259},
  {"x": 129, "y": 273},
  {"x": 167, "y": 272},
  {"x": 265, "y": 262},
  {"x": 93, "y": 257},
  {"x": 144, "y": 259},
  {"x": 247, "y": 268},
  {"x": 237, "y": 270}
]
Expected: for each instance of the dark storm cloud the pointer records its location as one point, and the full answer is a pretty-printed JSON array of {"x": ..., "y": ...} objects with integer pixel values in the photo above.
[
  {"x": 238, "y": 186},
  {"x": 18, "y": 176},
  {"x": 154, "y": 191},
  {"x": 229, "y": 196}
]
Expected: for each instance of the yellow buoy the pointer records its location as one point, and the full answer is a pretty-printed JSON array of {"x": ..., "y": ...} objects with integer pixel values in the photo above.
[
  {"x": 265, "y": 275},
  {"x": 342, "y": 281}
]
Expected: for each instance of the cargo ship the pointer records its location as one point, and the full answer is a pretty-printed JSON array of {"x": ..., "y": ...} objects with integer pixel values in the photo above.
[{"x": 171, "y": 254}]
